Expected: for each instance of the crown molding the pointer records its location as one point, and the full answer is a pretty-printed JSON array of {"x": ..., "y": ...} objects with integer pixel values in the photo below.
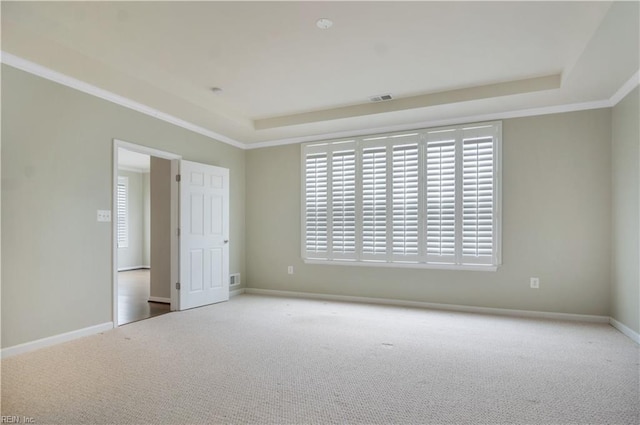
[
  {"x": 49, "y": 74},
  {"x": 626, "y": 88}
]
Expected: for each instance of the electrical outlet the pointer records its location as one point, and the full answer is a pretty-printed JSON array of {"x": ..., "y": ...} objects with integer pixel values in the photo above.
[
  {"x": 290, "y": 269},
  {"x": 535, "y": 282},
  {"x": 104, "y": 215}
]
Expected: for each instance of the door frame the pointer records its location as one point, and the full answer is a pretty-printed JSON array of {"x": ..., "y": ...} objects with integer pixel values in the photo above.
[{"x": 175, "y": 210}]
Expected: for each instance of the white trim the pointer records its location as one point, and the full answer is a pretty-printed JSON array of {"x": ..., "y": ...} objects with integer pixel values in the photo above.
[
  {"x": 55, "y": 339},
  {"x": 635, "y": 337},
  {"x": 162, "y": 300},
  {"x": 92, "y": 330},
  {"x": 133, "y": 169},
  {"x": 126, "y": 269},
  {"x": 49, "y": 74},
  {"x": 175, "y": 238},
  {"x": 625, "y": 89},
  {"x": 236, "y": 292},
  {"x": 434, "y": 306},
  {"x": 407, "y": 265},
  {"x": 144, "y": 150},
  {"x": 114, "y": 236}
]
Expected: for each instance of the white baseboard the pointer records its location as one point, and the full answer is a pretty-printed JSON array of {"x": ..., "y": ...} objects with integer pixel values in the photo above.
[
  {"x": 162, "y": 300},
  {"x": 55, "y": 339},
  {"x": 91, "y": 330},
  {"x": 434, "y": 306},
  {"x": 635, "y": 336},
  {"x": 126, "y": 269},
  {"x": 236, "y": 292}
]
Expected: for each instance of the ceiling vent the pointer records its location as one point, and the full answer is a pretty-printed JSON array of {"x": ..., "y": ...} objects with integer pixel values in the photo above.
[{"x": 380, "y": 97}]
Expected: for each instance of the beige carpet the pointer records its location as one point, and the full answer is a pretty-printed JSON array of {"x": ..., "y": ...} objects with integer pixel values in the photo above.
[{"x": 263, "y": 359}]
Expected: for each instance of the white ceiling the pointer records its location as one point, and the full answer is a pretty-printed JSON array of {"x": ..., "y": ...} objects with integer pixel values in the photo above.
[{"x": 285, "y": 79}]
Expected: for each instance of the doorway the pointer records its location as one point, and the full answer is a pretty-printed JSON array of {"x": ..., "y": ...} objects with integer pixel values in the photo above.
[
  {"x": 134, "y": 299},
  {"x": 144, "y": 245}
]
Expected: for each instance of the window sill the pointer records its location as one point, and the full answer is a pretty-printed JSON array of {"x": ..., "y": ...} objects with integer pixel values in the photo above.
[{"x": 468, "y": 267}]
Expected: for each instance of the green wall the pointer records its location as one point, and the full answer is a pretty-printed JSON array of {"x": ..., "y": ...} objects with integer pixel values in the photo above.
[
  {"x": 556, "y": 226},
  {"x": 570, "y": 214},
  {"x": 625, "y": 141},
  {"x": 57, "y": 149}
]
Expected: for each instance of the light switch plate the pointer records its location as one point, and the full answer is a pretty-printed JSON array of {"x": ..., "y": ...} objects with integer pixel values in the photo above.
[
  {"x": 104, "y": 215},
  {"x": 534, "y": 282}
]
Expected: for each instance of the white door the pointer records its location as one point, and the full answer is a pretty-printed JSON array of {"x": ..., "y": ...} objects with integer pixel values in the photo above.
[{"x": 204, "y": 234}]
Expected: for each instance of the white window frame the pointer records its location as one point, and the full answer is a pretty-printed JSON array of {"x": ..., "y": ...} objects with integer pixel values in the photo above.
[
  {"x": 123, "y": 219},
  {"x": 422, "y": 260}
]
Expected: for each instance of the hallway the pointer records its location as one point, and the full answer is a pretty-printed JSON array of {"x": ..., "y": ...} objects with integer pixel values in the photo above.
[{"x": 133, "y": 297}]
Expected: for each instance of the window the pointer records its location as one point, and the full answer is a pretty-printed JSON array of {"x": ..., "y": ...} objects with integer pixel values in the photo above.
[
  {"x": 123, "y": 213},
  {"x": 427, "y": 198}
]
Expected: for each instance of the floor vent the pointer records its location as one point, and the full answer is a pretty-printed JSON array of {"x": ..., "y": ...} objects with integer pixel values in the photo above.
[{"x": 234, "y": 279}]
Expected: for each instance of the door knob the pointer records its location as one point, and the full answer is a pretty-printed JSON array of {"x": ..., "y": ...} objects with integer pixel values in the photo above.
[{"x": 226, "y": 241}]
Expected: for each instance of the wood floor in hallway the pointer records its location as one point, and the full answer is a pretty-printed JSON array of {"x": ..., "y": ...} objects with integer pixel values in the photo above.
[{"x": 133, "y": 297}]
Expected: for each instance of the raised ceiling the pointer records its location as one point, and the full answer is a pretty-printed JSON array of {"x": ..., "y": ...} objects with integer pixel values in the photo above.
[{"x": 284, "y": 79}]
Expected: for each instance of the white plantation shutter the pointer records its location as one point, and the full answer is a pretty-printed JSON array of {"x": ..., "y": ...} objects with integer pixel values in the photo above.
[
  {"x": 478, "y": 200},
  {"x": 429, "y": 198},
  {"x": 440, "y": 199},
  {"x": 374, "y": 202},
  {"x": 316, "y": 202},
  {"x": 404, "y": 212},
  {"x": 343, "y": 204},
  {"x": 122, "y": 212}
]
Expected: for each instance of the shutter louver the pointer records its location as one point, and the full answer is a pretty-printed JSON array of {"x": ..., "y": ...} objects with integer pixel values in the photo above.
[
  {"x": 478, "y": 200},
  {"x": 316, "y": 204},
  {"x": 441, "y": 200},
  {"x": 374, "y": 201},
  {"x": 123, "y": 222},
  {"x": 343, "y": 204},
  {"x": 405, "y": 201}
]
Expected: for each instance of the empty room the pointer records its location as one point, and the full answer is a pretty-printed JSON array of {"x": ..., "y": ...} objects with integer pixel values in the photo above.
[{"x": 348, "y": 212}]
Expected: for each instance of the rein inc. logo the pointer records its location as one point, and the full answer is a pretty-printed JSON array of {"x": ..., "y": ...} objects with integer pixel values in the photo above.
[{"x": 4, "y": 419}]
